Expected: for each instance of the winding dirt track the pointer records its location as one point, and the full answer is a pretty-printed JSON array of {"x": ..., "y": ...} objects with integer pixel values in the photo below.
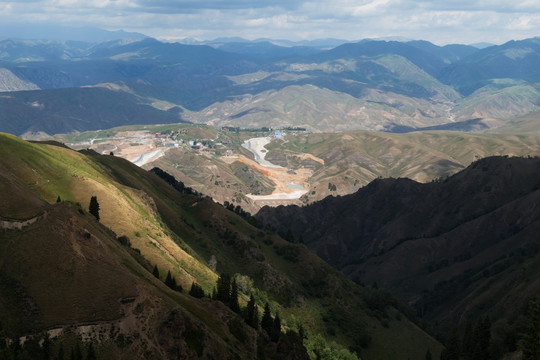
[
  {"x": 19, "y": 224},
  {"x": 287, "y": 182}
]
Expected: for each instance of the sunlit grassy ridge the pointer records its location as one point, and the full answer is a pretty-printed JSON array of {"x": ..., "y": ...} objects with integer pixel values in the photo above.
[
  {"x": 52, "y": 171},
  {"x": 190, "y": 236},
  {"x": 355, "y": 158}
]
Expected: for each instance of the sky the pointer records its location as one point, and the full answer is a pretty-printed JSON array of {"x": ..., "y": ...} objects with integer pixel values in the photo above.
[{"x": 439, "y": 21}]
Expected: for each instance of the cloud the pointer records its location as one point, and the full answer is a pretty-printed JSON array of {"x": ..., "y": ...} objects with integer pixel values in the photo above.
[
  {"x": 437, "y": 21},
  {"x": 187, "y": 5}
]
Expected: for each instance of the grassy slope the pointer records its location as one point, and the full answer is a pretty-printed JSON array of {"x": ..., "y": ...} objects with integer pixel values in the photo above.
[
  {"x": 355, "y": 158},
  {"x": 292, "y": 287},
  {"x": 494, "y": 101},
  {"x": 181, "y": 233}
]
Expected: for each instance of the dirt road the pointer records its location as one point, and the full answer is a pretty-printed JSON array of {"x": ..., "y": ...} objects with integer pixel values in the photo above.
[{"x": 290, "y": 185}]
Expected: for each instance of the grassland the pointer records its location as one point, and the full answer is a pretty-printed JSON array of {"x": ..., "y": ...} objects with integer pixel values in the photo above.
[
  {"x": 353, "y": 159},
  {"x": 190, "y": 236}
]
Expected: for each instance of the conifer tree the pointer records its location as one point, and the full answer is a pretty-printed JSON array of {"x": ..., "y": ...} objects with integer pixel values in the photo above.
[
  {"x": 482, "y": 339},
  {"x": 467, "y": 346},
  {"x": 60, "y": 355},
  {"x": 196, "y": 290},
  {"x": 224, "y": 288},
  {"x": 252, "y": 313},
  {"x": 267, "y": 323},
  {"x": 530, "y": 343},
  {"x": 155, "y": 272},
  {"x": 276, "y": 328},
  {"x": 91, "y": 354},
  {"x": 233, "y": 301},
  {"x": 452, "y": 351},
  {"x": 93, "y": 208},
  {"x": 289, "y": 236},
  {"x": 170, "y": 281},
  {"x": 46, "y": 347},
  {"x": 3, "y": 344},
  {"x": 77, "y": 353},
  {"x": 58, "y": 199}
]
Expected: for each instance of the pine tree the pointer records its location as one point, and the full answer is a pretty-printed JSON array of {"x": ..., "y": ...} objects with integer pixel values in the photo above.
[
  {"x": 169, "y": 281},
  {"x": 289, "y": 236},
  {"x": 58, "y": 199},
  {"x": 60, "y": 355},
  {"x": 233, "y": 301},
  {"x": 155, "y": 272},
  {"x": 224, "y": 288},
  {"x": 267, "y": 323},
  {"x": 77, "y": 353},
  {"x": 467, "y": 346},
  {"x": 252, "y": 313},
  {"x": 91, "y": 354},
  {"x": 93, "y": 208},
  {"x": 452, "y": 350},
  {"x": 46, "y": 347},
  {"x": 530, "y": 342},
  {"x": 302, "y": 332},
  {"x": 196, "y": 290},
  {"x": 482, "y": 339},
  {"x": 3, "y": 344},
  {"x": 174, "y": 286},
  {"x": 276, "y": 329}
]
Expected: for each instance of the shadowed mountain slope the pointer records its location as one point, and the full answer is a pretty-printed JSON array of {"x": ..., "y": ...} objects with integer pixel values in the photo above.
[
  {"x": 456, "y": 249},
  {"x": 77, "y": 109},
  {"x": 516, "y": 60}
]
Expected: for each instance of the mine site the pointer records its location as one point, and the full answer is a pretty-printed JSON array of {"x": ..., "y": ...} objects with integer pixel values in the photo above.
[{"x": 144, "y": 147}]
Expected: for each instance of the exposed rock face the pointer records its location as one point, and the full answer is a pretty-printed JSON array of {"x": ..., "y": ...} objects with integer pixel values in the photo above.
[{"x": 10, "y": 82}]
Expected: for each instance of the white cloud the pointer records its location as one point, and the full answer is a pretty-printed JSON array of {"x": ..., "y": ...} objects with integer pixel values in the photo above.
[{"x": 437, "y": 21}]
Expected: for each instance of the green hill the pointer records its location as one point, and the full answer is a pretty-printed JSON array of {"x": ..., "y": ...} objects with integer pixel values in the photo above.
[
  {"x": 64, "y": 273},
  {"x": 353, "y": 159}
]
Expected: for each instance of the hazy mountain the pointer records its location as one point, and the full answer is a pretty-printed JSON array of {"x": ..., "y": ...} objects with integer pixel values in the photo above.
[
  {"x": 24, "y": 51},
  {"x": 78, "y": 109},
  {"x": 495, "y": 66},
  {"x": 482, "y": 45},
  {"x": 265, "y": 49},
  {"x": 373, "y": 85},
  {"x": 64, "y": 33},
  {"x": 425, "y": 60},
  {"x": 448, "y": 53},
  {"x": 321, "y": 44},
  {"x": 453, "y": 248}
]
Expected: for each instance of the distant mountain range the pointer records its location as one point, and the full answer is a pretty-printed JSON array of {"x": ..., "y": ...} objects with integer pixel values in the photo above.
[
  {"x": 63, "y": 33},
  {"x": 371, "y": 85}
]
